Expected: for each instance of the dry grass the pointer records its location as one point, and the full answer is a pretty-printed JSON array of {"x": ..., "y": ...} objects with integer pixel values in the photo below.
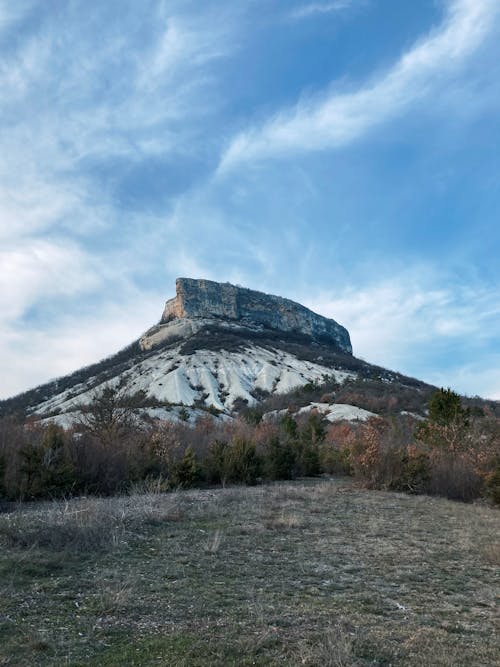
[{"x": 305, "y": 573}]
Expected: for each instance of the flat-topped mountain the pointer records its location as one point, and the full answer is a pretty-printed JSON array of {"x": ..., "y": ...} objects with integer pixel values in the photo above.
[
  {"x": 200, "y": 302},
  {"x": 217, "y": 347},
  {"x": 223, "y": 301}
]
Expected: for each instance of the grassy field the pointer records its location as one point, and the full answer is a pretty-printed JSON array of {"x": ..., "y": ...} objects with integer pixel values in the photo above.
[{"x": 305, "y": 573}]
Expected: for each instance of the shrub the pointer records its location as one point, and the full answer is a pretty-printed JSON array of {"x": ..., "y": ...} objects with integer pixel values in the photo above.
[
  {"x": 46, "y": 468},
  {"x": 453, "y": 476},
  {"x": 407, "y": 469},
  {"x": 280, "y": 460},
  {"x": 186, "y": 472},
  {"x": 335, "y": 459},
  {"x": 493, "y": 485},
  {"x": 445, "y": 407},
  {"x": 216, "y": 463},
  {"x": 243, "y": 464},
  {"x": 289, "y": 425},
  {"x": 307, "y": 458}
]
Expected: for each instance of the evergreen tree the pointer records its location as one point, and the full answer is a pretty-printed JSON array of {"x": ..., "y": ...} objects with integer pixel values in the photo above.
[{"x": 445, "y": 407}]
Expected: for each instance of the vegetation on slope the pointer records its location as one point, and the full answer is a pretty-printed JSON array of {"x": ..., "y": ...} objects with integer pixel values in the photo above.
[{"x": 454, "y": 453}]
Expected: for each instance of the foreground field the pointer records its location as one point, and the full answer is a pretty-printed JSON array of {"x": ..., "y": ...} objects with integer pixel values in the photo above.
[{"x": 305, "y": 573}]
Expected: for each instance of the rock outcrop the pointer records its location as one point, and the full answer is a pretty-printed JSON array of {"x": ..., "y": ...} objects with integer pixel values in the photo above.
[{"x": 207, "y": 300}]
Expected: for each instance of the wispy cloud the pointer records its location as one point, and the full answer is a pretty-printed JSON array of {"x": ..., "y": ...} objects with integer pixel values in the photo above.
[
  {"x": 41, "y": 268},
  {"x": 318, "y": 8},
  {"x": 31, "y": 356},
  {"x": 339, "y": 118},
  {"x": 82, "y": 95},
  {"x": 418, "y": 318},
  {"x": 11, "y": 12}
]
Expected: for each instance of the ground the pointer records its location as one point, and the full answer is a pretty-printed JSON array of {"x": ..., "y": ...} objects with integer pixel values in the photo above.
[{"x": 316, "y": 572}]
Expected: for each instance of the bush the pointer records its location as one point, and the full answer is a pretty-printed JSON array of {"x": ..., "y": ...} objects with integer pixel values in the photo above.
[
  {"x": 493, "y": 485},
  {"x": 46, "y": 468},
  {"x": 445, "y": 407},
  {"x": 335, "y": 459},
  {"x": 454, "y": 477},
  {"x": 408, "y": 469},
  {"x": 280, "y": 460},
  {"x": 216, "y": 463},
  {"x": 242, "y": 463},
  {"x": 186, "y": 472}
]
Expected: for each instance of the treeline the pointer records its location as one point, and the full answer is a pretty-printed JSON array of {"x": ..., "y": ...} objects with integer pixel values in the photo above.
[{"x": 454, "y": 453}]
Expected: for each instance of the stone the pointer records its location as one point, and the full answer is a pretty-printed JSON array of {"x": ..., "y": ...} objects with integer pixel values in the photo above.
[{"x": 210, "y": 300}]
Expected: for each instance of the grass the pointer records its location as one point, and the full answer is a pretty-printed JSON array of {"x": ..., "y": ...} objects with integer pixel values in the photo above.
[{"x": 305, "y": 573}]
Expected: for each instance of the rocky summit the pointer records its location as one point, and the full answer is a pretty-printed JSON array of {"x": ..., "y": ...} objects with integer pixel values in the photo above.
[{"x": 200, "y": 302}]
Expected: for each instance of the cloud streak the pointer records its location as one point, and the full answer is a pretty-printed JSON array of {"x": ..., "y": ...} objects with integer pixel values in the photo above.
[
  {"x": 319, "y": 8},
  {"x": 340, "y": 118}
]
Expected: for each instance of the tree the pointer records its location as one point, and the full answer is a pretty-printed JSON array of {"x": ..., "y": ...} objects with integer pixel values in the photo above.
[
  {"x": 445, "y": 407},
  {"x": 187, "y": 471},
  {"x": 280, "y": 459},
  {"x": 47, "y": 468},
  {"x": 447, "y": 424},
  {"x": 109, "y": 416}
]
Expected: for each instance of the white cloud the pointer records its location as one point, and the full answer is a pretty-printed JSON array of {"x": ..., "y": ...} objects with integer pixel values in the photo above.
[
  {"x": 32, "y": 356},
  {"x": 407, "y": 322},
  {"x": 340, "y": 118},
  {"x": 473, "y": 379},
  {"x": 34, "y": 268},
  {"x": 55, "y": 119},
  {"x": 319, "y": 8},
  {"x": 181, "y": 45}
]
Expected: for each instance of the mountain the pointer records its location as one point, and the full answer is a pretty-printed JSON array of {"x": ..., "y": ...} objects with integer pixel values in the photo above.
[{"x": 222, "y": 348}]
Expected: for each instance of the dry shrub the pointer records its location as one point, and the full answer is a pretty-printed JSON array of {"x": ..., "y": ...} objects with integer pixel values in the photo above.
[
  {"x": 493, "y": 485},
  {"x": 284, "y": 521},
  {"x": 454, "y": 476},
  {"x": 87, "y": 525},
  {"x": 379, "y": 454},
  {"x": 83, "y": 527},
  {"x": 455, "y": 462}
]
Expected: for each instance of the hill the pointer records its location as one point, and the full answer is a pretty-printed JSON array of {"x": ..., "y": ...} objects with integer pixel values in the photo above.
[{"x": 220, "y": 347}]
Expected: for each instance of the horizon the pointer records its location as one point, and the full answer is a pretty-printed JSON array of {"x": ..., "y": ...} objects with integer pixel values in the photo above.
[{"x": 340, "y": 154}]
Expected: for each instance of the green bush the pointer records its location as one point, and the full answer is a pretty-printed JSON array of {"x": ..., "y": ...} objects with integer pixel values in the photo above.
[
  {"x": 216, "y": 463},
  {"x": 307, "y": 459},
  {"x": 289, "y": 426},
  {"x": 243, "y": 464},
  {"x": 410, "y": 470},
  {"x": 335, "y": 460},
  {"x": 445, "y": 407},
  {"x": 186, "y": 472},
  {"x": 46, "y": 469},
  {"x": 280, "y": 460}
]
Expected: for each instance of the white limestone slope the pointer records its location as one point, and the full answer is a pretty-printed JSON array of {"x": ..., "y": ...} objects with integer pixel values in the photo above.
[
  {"x": 209, "y": 378},
  {"x": 334, "y": 412}
]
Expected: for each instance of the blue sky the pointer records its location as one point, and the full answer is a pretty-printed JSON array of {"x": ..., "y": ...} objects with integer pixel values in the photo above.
[{"x": 342, "y": 153}]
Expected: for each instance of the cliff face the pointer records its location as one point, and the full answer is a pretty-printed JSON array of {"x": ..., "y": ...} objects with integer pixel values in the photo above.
[{"x": 207, "y": 299}]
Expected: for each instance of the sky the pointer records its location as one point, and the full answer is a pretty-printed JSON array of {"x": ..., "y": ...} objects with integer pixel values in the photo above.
[{"x": 341, "y": 153}]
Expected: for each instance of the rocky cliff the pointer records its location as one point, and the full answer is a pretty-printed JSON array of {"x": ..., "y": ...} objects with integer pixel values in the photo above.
[{"x": 209, "y": 300}]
